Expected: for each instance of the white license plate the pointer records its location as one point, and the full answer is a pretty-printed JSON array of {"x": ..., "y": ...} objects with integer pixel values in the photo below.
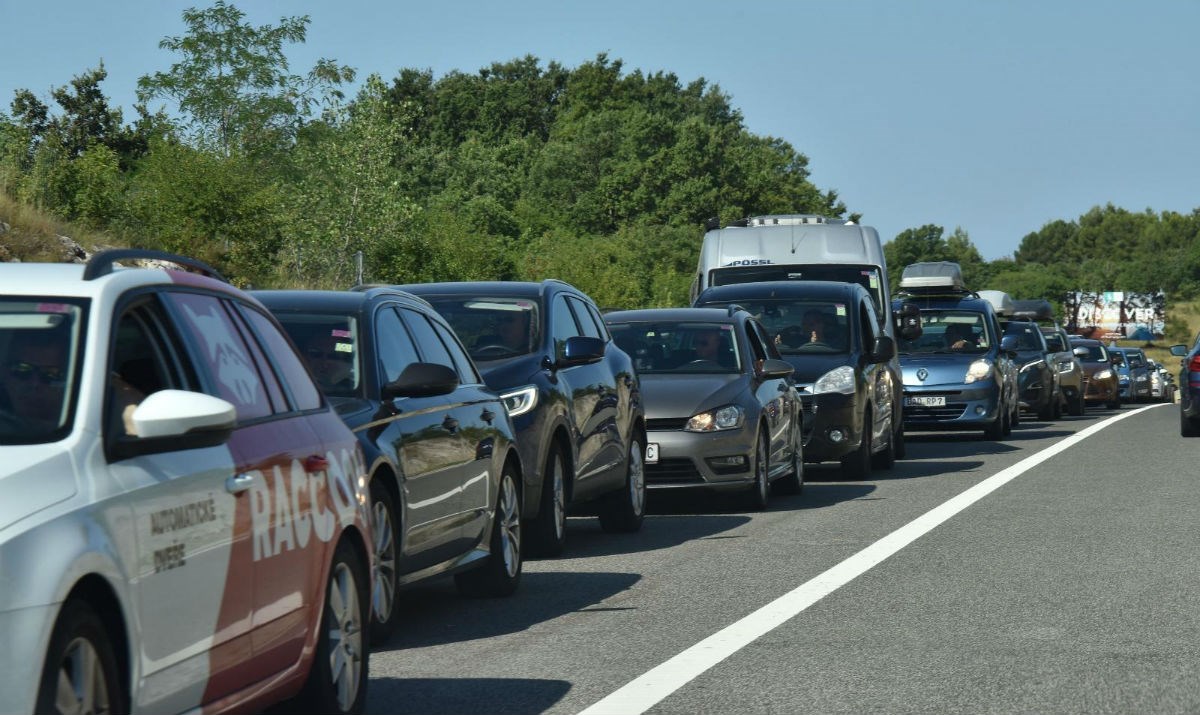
[
  {"x": 652, "y": 453},
  {"x": 925, "y": 401}
]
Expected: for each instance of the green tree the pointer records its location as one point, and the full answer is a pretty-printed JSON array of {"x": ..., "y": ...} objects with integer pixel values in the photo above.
[{"x": 916, "y": 245}]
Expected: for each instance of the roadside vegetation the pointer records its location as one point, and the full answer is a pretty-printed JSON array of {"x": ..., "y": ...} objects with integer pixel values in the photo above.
[{"x": 521, "y": 170}]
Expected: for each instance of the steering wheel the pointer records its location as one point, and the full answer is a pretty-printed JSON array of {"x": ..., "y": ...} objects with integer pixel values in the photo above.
[
  {"x": 493, "y": 350},
  {"x": 701, "y": 361}
]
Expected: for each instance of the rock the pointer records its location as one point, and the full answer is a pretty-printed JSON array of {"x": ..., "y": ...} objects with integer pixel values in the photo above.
[{"x": 72, "y": 252}]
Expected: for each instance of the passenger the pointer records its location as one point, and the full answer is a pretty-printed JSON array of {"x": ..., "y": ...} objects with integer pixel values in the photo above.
[
  {"x": 815, "y": 327},
  {"x": 330, "y": 360},
  {"x": 35, "y": 378}
]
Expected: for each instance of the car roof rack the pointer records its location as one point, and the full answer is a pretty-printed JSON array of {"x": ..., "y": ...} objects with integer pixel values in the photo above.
[
  {"x": 1002, "y": 303},
  {"x": 1035, "y": 310},
  {"x": 102, "y": 263},
  {"x": 934, "y": 278}
]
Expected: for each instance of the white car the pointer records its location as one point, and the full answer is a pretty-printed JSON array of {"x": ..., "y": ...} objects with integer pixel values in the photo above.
[{"x": 182, "y": 516}]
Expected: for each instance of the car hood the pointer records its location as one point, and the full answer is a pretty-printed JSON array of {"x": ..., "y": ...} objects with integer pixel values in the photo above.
[
  {"x": 34, "y": 477},
  {"x": 811, "y": 367},
  {"x": 503, "y": 375},
  {"x": 939, "y": 369},
  {"x": 667, "y": 396}
]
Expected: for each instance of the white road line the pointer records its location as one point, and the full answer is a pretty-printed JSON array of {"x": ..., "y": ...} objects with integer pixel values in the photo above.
[{"x": 647, "y": 690}]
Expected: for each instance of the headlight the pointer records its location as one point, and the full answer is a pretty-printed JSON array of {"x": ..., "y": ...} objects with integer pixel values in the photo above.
[
  {"x": 1036, "y": 364},
  {"x": 1141, "y": 378},
  {"x": 727, "y": 417},
  {"x": 1066, "y": 365},
  {"x": 1103, "y": 375},
  {"x": 979, "y": 370},
  {"x": 839, "y": 379},
  {"x": 518, "y": 402}
]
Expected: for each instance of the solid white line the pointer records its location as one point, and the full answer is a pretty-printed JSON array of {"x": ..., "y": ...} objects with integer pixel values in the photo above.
[{"x": 647, "y": 690}]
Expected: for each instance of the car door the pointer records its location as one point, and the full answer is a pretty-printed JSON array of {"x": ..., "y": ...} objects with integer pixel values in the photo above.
[
  {"x": 191, "y": 533},
  {"x": 874, "y": 374},
  {"x": 775, "y": 395}
]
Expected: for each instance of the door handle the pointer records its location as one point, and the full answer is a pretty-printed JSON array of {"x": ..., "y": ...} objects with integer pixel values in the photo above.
[
  {"x": 450, "y": 424},
  {"x": 315, "y": 463},
  {"x": 488, "y": 415},
  {"x": 239, "y": 483}
]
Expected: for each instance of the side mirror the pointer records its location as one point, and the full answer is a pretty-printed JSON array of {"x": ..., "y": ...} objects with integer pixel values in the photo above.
[
  {"x": 1009, "y": 343},
  {"x": 172, "y": 420},
  {"x": 1179, "y": 350},
  {"x": 581, "y": 350},
  {"x": 908, "y": 321},
  {"x": 771, "y": 369},
  {"x": 885, "y": 349},
  {"x": 1080, "y": 352},
  {"x": 422, "y": 379}
]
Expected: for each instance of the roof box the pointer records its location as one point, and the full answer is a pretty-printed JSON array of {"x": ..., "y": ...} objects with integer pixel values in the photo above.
[
  {"x": 1001, "y": 302},
  {"x": 1037, "y": 309},
  {"x": 939, "y": 275}
]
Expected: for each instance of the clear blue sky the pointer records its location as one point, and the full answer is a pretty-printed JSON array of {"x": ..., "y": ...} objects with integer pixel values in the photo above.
[{"x": 993, "y": 116}]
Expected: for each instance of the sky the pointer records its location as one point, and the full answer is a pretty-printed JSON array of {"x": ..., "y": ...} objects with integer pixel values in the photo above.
[{"x": 996, "y": 117}]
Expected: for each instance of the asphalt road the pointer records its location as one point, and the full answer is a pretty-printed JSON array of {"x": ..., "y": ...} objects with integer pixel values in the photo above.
[{"x": 1072, "y": 587}]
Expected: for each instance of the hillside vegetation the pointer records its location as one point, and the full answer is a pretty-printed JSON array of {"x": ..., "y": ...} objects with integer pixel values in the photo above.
[{"x": 522, "y": 170}]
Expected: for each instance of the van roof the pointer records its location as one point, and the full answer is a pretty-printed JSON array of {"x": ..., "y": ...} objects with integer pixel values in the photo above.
[{"x": 793, "y": 244}]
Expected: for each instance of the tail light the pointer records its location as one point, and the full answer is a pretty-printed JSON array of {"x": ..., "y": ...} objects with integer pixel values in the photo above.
[{"x": 1194, "y": 363}]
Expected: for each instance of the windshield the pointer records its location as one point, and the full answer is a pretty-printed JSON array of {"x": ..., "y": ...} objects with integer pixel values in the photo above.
[
  {"x": 950, "y": 331},
  {"x": 1137, "y": 360},
  {"x": 1028, "y": 336},
  {"x": 801, "y": 327},
  {"x": 40, "y": 352},
  {"x": 1054, "y": 343},
  {"x": 865, "y": 276},
  {"x": 329, "y": 345},
  {"x": 492, "y": 328},
  {"x": 1096, "y": 353},
  {"x": 679, "y": 348}
]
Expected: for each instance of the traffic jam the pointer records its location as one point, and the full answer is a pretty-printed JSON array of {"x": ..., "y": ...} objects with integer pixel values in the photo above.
[{"x": 216, "y": 499}]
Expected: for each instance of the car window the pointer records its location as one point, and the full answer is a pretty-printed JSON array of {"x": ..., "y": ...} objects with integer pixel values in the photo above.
[
  {"x": 492, "y": 328},
  {"x": 41, "y": 348},
  {"x": 394, "y": 344},
  {"x": 329, "y": 345},
  {"x": 258, "y": 358},
  {"x": 466, "y": 370},
  {"x": 952, "y": 331},
  {"x": 866, "y": 324},
  {"x": 223, "y": 353},
  {"x": 426, "y": 339},
  {"x": 679, "y": 347},
  {"x": 1028, "y": 336},
  {"x": 562, "y": 324},
  {"x": 805, "y": 326},
  {"x": 758, "y": 351},
  {"x": 584, "y": 318},
  {"x": 1054, "y": 343},
  {"x": 299, "y": 384},
  {"x": 591, "y": 309},
  {"x": 767, "y": 342},
  {"x": 141, "y": 362}
]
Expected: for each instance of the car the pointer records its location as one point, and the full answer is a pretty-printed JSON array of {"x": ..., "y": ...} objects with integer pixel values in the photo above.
[
  {"x": 1189, "y": 387},
  {"x": 1037, "y": 379},
  {"x": 956, "y": 374},
  {"x": 1161, "y": 386},
  {"x": 573, "y": 396},
  {"x": 720, "y": 411},
  {"x": 1102, "y": 384},
  {"x": 445, "y": 473},
  {"x": 830, "y": 333},
  {"x": 1072, "y": 379},
  {"x": 1132, "y": 373},
  {"x": 186, "y": 511}
]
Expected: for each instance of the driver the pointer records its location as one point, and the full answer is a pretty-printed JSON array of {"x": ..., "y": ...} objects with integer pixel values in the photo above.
[
  {"x": 35, "y": 377},
  {"x": 813, "y": 326},
  {"x": 959, "y": 337},
  {"x": 331, "y": 363},
  {"x": 513, "y": 329},
  {"x": 707, "y": 344}
]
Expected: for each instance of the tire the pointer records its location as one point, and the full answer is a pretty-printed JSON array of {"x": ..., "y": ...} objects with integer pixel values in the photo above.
[
  {"x": 996, "y": 429},
  {"x": 548, "y": 532},
  {"x": 1188, "y": 427},
  {"x": 759, "y": 493},
  {"x": 857, "y": 464},
  {"x": 1015, "y": 418},
  {"x": 898, "y": 446},
  {"x": 80, "y": 647},
  {"x": 337, "y": 682},
  {"x": 624, "y": 510},
  {"x": 1058, "y": 409},
  {"x": 1114, "y": 405},
  {"x": 1046, "y": 414},
  {"x": 385, "y": 571},
  {"x": 1075, "y": 405},
  {"x": 885, "y": 459},
  {"x": 500, "y": 573},
  {"x": 793, "y": 481}
]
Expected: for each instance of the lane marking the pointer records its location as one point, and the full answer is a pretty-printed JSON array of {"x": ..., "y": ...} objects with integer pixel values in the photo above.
[{"x": 647, "y": 690}]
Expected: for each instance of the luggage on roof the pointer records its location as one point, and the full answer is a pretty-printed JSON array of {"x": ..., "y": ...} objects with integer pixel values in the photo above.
[
  {"x": 933, "y": 275},
  {"x": 1001, "y": 302},
  {"x": 1036, "y": 309}
]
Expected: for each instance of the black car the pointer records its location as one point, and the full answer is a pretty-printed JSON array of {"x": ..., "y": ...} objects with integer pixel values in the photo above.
[
  {"x": 721, "y": 413},
  {"x": 572, "y": 394},
  {"x": 1037, "y": 378},
  {"x": 1189, "y": 387},
  {"x": 831, "y": 335},
  {"x": 445, "y": 474}
]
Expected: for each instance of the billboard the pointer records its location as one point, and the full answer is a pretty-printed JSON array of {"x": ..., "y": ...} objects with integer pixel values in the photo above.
[{"x": 1116, "y": 315}]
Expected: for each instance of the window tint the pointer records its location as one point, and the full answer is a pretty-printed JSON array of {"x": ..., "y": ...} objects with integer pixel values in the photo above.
[
  {"x": 393, "y": 344},
  {"x": 584, "y": 318},
  {"x": 591, "y": 309},
  {"x": 466, "y": 370},
  {"x": 758, "y": 351},
  {"x": 141, "y": 364},
  {"x": 867, "y": 327},
  {"x": 304, "y": 393},
  {"x": 223, "y": 354},
  {"x": 562, "y": 324},
  {"x": 428, "y": 342},
  {"x": 329, "y": 345}
]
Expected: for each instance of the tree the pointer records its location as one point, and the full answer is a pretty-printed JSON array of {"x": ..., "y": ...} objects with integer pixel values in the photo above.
[
  {"x": 233, "y": 82},
  {"x": 915, "y": 245}
]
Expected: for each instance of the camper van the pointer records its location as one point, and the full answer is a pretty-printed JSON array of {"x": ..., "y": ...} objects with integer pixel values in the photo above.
[{"x": 803, "y": 247}]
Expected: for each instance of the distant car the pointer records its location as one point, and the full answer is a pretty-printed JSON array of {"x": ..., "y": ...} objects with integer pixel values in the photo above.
[
  {"x": 1132, "y": 373},
  {"x": 1072, "y": 379},
  {"x": 830, "y": 333},
  {"x": 445, "y": 475},
  {"x": 1161, "y": 385},
  {"x": 183, "y": 521},
  {"x": 1037, "y": 379},
  {"x": 572, "y": 394},
  {"x": 1189, "y": 387},
  {"x": 720, "y": 411},
  {"x": 1102, "y": 384}
]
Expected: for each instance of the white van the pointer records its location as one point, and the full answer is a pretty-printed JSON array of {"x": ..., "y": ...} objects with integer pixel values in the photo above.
[{"x": 793, "y": 247}]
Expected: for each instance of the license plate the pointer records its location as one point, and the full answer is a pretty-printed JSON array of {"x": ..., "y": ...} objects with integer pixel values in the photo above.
[
  {"x": 652, "y": 453},
  {"x": 925, "y": 401}
]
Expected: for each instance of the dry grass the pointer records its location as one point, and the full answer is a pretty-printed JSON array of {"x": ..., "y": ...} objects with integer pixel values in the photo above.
[{"x": 32, "y": 235}]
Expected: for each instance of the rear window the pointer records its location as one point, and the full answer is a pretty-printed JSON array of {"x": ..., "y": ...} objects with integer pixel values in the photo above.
[
  {"x": 329, "y": 344},
  {"x": 493, "y": 328},
  {"x": 41, "y": 350}
]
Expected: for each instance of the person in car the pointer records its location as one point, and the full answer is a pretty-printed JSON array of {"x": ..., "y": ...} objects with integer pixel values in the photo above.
[
  {"x": 960, "y": 337},
  {"x": 331, "y": 359},
  {"x": 35, "y": 378},
  {"x": 707, "y": 344},
  {"x": 511, "y": 331}
]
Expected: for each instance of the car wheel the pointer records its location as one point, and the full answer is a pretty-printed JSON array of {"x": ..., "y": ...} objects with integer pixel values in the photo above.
[
  {"x": 386, "y": 574},
  {"x": 898, "y": 446},
  {"x": 501, "y": 571},
  {"x": 1015, "y": 418},
  {"x": 549, "y": 529},
  {"x": 80, "y": 674},
  {"x": 337, "y": 682},
  {"x": 857, "y": 464},
  {"x": 1047, "y": 412},
  {"x": 759, "y": 493},
  {"x": 885, "y": 459},
  {"x": 1188, "y": 427},
  {"x": 625, "y": 509},
  {"x": 996, "y": 429},
  {"x": 1113, "y": 404},
  {"x": 1075, "y": 405},
  {"x": 793, "y": 481}
]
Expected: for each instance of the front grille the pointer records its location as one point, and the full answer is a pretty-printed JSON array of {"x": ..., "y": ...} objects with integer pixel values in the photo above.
[
  {"x": 665, "y": 424},
  {"x": 674, "y": 470},
  {"x": 950, "y": 411}
]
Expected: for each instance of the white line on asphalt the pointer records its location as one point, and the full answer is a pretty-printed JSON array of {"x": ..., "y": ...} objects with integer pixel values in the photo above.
[{"x": 647, "y": 690}]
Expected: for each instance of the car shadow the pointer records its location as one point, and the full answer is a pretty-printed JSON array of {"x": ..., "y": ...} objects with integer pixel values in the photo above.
[
  {"x": 916, "y": 466},
  {"x": 956, "y": 444},
  {"x": 689, "y": 503},
  {"x": 434, "y": 614},
  {"x": 451, "y": 696},
  {"x": 660, "y": 530}
]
